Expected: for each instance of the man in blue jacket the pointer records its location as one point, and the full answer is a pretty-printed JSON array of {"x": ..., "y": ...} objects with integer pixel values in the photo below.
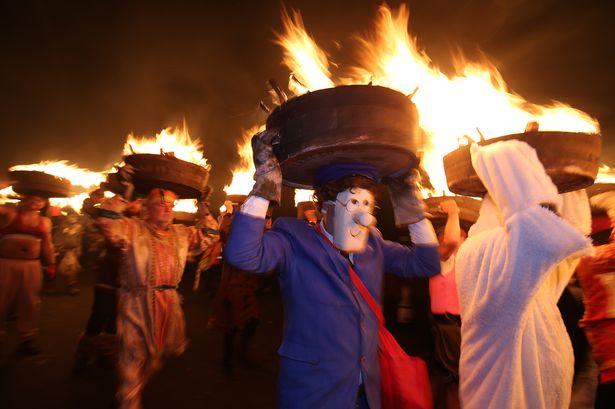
[{"x": 329, "y": 351}]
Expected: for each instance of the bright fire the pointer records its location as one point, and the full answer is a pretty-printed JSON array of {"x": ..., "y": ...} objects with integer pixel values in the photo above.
[
  {"x": 605, "y": 175},
  {"x": 83, "y": 180},
  {"x": 185, "y": 205},
  {"x": 303, "y": 56},
  {"x": 170, "y": 140},
  {"x": 303, "y": 195},
  {"x": 174, "y": 141},
  {"x": 473, "y": 101},
  {"x": 243, "y": 173}
]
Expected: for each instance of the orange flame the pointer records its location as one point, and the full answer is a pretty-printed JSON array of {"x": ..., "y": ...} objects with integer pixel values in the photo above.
[
  {"x": 84, "y": 179},
  {"x": 475, "y": 101},
  {"x": 303, "y": 195},
  {"x": 606, "y": 174},
  {"x": 302, "y": 56},
  {"x": 170, "y": 140},
  {"x": 243, "y": 173},
  {"x": 185, "y": 205}
]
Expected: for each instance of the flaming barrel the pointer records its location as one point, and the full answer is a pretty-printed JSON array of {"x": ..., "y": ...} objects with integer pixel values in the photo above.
[
  {"x": 345, "y": 124},
  {"x": 36, "y": 183},
  {"x": 571, "y": 159},
  {"x": 186, "y": 179}
]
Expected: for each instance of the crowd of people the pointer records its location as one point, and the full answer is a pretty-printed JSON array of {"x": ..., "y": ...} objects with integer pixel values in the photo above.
[{"x": 498, "y": 339}]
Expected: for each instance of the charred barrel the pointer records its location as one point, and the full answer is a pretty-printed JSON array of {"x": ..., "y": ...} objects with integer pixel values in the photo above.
[
  {"x": 36, "y": 183},
  {"x": 186, "y": 179},
  {"x": 571, "y": 159},
  {"x": 346, "y": 124}
]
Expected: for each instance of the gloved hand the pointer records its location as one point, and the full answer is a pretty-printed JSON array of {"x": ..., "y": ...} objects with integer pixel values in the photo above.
[
  {"x": 49, "y": 271},
  {"x": 408, "y": 206},
  {"x": 268, "y": 175},
  {"x": 125, "y": 176}
]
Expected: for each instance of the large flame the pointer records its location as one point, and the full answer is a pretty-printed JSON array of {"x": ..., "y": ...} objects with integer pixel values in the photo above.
[
  {"x": 606, "y": 174},
  {"x": 475, "y": 101},
  {"x": 243, "y": 173},
  {"x": 307, "y": 62},
  {"x": 79, "y": 177},
  {"x": 83, "y": 180},
  {"x": 170, "y": 140},
  {"x": 185, "y": 205},
  {"x": 303, "y": 195}
]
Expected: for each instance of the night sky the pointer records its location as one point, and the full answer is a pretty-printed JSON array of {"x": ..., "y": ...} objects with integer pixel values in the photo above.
[{"x": 77, "y": 76}]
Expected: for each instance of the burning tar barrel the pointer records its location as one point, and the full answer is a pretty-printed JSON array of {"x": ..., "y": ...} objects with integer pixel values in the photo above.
[
  {"x": 36, "y": 183},
  {"x": 346, "y": 124},
  {"x": 186, "y": 179},
  {"x": 571, "y": 159}
]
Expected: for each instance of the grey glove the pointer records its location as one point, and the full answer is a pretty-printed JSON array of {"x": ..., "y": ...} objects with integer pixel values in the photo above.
[
  {"x": 268, "y": 175},
  {"x": 125, "y": 176},
  {"x": 408, "y": 206}
]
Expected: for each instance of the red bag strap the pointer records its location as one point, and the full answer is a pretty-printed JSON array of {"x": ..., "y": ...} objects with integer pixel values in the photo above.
[{"x": 373, "y": 305}]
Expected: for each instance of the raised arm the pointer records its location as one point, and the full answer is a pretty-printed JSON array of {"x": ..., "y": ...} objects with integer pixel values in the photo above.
[
  {"x": 420, "y": 260},
  {"x": 249, "y": 247},
  {"x": 451, "y": 237}
]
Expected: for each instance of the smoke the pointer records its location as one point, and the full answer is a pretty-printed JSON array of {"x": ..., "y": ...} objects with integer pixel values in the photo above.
[{"x": 77, "y": 77}]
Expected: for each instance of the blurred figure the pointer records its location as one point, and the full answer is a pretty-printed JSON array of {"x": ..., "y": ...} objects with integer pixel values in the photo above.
[
  {"x": 446, "y": 322},
  {"x": 236, "y": 309},
  {"x": 25, "y": 236},
  {"x": 151, "y": 322},
  {"x": 67, "y": 238},
  {"x": 209, "y": 228},
  {"x": 597, "y": 278},
  {"x": 98, "y": 343}
]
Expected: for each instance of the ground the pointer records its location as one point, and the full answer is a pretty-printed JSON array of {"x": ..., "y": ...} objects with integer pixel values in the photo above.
[{"x": 195, "y": 380}]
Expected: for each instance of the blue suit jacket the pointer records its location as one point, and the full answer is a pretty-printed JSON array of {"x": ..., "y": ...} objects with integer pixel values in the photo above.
[{"x": 330, "y": 337}]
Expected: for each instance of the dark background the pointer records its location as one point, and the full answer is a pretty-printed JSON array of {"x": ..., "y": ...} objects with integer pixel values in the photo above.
[{"x": 77, "y": 76}]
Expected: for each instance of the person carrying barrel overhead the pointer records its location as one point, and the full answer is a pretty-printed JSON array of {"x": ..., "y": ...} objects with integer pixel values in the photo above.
[
  {"x": 329, "y": 351},
  {"x": 151, "y": 324},
  {"x": 25, "y": 239}
]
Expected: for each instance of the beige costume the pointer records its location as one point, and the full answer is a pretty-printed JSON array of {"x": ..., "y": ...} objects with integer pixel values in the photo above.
[{"x": 150, "y": 318}]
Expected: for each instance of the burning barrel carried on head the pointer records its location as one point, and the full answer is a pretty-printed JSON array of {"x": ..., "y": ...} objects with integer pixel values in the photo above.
[
  {"x": 37, "y": 183},
  {"x": 188, "y": 180},
  {"x": 571, "y": 159},
  {"x": 345, "y": 124}
]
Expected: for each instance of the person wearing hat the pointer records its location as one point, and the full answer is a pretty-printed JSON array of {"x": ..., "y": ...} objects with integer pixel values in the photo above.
[
  {"x": 329, "y": 351},
  {"x": 25, "y": 236},
  {"x": 150, "y": 321}
]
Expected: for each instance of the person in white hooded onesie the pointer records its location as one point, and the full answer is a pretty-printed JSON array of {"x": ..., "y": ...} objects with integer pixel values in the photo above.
[{"x": 512, "y": 269}]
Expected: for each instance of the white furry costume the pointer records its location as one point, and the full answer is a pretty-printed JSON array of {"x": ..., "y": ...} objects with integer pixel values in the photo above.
[{"x": 515, "y": 352}]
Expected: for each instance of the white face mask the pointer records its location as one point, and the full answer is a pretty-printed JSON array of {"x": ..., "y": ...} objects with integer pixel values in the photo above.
[{"x": 349, "y": 219}]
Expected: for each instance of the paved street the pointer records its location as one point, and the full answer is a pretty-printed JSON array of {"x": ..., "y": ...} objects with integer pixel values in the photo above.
[{"x": 194, "y": 380}]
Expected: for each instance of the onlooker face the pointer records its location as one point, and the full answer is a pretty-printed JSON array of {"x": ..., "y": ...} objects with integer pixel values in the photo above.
[{"x": 34, "y": 202}]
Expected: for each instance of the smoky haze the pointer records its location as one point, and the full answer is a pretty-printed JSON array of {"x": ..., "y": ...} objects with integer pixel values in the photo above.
[{"x": 78, "y": 76}]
